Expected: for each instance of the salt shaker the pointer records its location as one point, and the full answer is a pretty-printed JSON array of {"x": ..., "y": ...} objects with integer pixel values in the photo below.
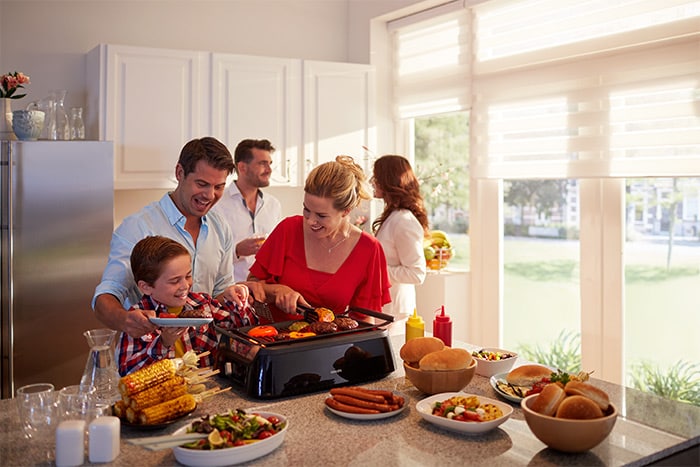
[
  {"x": 103, "y": 435},
  {"x": 70, "y": 443}
]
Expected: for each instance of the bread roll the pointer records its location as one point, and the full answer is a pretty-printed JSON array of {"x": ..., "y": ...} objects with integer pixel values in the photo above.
[
  {"x": 549, "y": 399},
  {"x": 598, "y": 396},
  {"x": 415, "y": 349},
  {"x": 527, "y": 375},
  {"x": 446, "y": 359},
  {"x": 579, "y": 408}
]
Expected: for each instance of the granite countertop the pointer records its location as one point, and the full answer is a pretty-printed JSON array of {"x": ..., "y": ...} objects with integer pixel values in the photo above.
[{"x": 648, "y": 429}]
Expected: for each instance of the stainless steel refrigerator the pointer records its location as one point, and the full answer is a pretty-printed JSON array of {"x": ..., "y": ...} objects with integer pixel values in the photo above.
[{"x": 57, "y": 203}]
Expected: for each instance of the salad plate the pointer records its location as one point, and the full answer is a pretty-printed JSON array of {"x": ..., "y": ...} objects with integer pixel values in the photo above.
[
  {"x": 233, "y": 455},
  {"x": 425, "y": 409},
  {"x": 373, "y": 416},
  {"x": 180, "y": 322}
]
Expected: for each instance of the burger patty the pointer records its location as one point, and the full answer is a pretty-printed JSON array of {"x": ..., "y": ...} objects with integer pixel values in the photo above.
[
  {"x": 194, "y": 313},
  {"x": 345, "y": 323},
  {"x": 320, "y": 327}
]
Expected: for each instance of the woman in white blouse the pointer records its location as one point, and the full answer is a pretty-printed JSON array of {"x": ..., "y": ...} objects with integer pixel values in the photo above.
[{"x": 400, "y": 229}]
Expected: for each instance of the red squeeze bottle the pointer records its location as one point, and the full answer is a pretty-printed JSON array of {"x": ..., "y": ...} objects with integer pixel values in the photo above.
[{"x": 442, "y": 327}]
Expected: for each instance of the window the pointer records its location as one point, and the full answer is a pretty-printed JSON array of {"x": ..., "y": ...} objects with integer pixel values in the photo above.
[{"x": 602, "y": 97}]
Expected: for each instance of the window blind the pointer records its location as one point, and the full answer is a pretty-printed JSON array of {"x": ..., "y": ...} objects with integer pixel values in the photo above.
[
  {"x": 431, "y": 71},
  {"x": 589, "y": 111}
]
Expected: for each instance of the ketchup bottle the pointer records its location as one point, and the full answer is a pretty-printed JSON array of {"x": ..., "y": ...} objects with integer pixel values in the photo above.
[
  {"x": 442, "y": 327},
  {"x": 415, "y": 327}
]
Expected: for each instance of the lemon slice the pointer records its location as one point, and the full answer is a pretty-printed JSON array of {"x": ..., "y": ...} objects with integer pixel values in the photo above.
[{"x": 215, "y": 438}]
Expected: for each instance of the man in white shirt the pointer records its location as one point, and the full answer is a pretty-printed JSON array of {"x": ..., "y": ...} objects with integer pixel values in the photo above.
[{"x": 250, "y": 214}]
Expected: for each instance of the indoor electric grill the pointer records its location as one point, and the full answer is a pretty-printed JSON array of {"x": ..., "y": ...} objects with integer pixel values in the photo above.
[{"x": 267, "y": 368}]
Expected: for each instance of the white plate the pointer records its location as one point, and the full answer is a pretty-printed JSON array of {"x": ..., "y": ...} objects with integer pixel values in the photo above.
[
  {"x": 180, "y": 322},
  {"x": 425, "y": 409},
  {"x": 234, "y": 455},
  {"x": 494, "y": 384},
  {"x": 371, "y": 416}
]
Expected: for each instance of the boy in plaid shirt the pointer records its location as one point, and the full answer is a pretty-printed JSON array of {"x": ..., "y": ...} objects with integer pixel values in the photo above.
[{"x": 162, "y": 270}]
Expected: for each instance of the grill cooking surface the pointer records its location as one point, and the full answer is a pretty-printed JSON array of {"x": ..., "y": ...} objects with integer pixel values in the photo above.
[{"x": 363, "y": 324}]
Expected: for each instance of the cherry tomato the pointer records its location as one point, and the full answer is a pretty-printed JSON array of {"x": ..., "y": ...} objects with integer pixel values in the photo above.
[
  {"x": 274, "y": 420},
  {"x": 238, "y": 442},
  {"x": 265, "y": 434}
]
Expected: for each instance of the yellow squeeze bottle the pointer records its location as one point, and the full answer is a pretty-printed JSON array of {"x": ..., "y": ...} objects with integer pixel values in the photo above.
[{"x": 415, "y": 327}]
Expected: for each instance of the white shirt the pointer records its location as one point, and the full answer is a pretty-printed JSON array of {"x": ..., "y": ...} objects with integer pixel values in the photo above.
[
  {"x": 244, "y": 223},
  {"x": 401, "y": 236}
]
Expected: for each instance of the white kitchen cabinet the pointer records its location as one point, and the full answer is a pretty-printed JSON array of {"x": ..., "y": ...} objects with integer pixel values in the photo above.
[
  {"x": 260, "y": 98},
  {"x": 338, "y": 111},
  {"x": 149, "y": 103}
]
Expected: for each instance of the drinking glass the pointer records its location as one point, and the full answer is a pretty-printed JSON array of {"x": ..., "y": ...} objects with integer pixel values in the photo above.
[
  {"x": 38, "y": 414},
  {"x": 76, "y": 402}
]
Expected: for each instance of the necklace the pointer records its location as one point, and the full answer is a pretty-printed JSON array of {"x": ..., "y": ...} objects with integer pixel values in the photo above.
[{"x": 346, "y": 235}]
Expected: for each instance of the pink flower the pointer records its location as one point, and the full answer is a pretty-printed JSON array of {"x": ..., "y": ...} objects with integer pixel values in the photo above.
[{"x": 10, "y": 83}]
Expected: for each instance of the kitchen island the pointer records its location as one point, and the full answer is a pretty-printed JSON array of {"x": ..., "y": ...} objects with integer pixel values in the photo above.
[{"x": 649, "y": 430}]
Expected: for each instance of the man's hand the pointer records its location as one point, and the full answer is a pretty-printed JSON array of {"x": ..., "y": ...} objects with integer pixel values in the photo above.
[
  {"x": 238, "y": 294},
  {"x": 113, "y": 315},
  {"x": 249, "y": 246}
]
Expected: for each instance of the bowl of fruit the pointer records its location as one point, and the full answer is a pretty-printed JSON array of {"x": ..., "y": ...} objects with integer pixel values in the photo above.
[{"x": 437, "y": 250}]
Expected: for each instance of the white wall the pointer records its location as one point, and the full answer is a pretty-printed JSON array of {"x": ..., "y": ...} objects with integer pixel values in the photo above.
[{"x": 48, "y": 41}]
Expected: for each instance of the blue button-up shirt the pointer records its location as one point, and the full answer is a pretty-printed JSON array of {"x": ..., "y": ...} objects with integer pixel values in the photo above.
[{"x": 212, "y": 271}]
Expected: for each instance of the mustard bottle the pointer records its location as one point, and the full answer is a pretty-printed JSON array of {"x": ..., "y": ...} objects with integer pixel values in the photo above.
[{"x": 415, "y": 327}]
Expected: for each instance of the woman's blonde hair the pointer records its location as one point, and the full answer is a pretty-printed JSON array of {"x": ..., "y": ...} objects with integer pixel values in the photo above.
[{"x": 341, "y": 180}]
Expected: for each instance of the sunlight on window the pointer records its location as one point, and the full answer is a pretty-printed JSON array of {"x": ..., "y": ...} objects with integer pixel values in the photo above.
[
  {"x": 534, "y": 130},
  {"x": 507, "y": 28},
  {"x": 418, "y": 55},
  {"x": 643, "y": 117}
]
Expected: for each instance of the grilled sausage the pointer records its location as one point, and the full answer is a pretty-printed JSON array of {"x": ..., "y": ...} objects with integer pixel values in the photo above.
[
  {"x": 334, "y": 404},
  {"x": 358, "y": 394},
  {"x": 363, "y": 403}
]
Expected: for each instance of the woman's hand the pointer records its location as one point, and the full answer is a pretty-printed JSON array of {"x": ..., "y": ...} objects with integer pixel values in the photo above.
[{"x": 287, "y": 299}]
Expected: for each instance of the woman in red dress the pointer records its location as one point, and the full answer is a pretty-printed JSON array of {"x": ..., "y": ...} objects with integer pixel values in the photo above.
[{"x": 321, "y": 258}]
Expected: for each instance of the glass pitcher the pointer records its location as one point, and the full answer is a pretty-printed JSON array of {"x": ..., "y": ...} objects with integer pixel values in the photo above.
[
  {"x": 48, "y": 106},
  {"x": 101, "y": 369}
]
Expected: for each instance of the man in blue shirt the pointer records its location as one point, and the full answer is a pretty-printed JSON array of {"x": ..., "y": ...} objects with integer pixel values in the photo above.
[{"x": 184, "y": 216}]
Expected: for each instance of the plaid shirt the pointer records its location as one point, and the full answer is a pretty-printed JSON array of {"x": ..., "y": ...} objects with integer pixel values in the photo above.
[{"x": 133, "y": 354}]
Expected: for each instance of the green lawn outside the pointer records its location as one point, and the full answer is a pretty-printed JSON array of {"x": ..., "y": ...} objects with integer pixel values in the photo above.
[{"x": 541, "y": 285}]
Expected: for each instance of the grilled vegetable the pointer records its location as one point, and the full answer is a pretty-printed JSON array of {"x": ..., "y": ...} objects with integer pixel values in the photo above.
[
  {"x": 168, "y": 410},
  {"x": 119, "y": 409},
  {"x": 169, "y": 389},
  {"x": 147, "y": 377}
]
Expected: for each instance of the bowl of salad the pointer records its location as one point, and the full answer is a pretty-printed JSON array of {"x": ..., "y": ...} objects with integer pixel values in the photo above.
[
  {"x": 232, "y": 438},
  {"x": 464, "y": 413},
  {"x": 491, "y": 361}
]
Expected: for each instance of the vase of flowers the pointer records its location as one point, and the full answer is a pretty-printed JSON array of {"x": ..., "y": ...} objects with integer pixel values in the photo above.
[{"x": 10, "y": 84}]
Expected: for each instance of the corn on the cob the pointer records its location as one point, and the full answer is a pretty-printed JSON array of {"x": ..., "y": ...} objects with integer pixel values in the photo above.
[
  {"x": 146, "y": 377},
  {"x": 119, "y": 409},
  {"x": 168, "y": 389},
  {"x": 132, "y": 416},
  {"x": 168, "y": 410}
]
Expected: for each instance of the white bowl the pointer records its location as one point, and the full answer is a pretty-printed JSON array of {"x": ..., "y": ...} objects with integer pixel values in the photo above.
[
  {"x": 425, "y": 409},
  {"x": 234, "y": 455},
  {"x": 488, "y": 368}
]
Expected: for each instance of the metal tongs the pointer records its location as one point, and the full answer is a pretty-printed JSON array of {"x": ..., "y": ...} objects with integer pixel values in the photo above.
[{"x": 311, "y": 315}]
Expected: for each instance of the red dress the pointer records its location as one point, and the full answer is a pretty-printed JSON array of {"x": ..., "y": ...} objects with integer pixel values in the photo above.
[{"x": 362, "y": 280}]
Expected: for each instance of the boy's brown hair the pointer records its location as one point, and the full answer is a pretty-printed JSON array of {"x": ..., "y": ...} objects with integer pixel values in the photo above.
[{"x": 150, "y": 254}]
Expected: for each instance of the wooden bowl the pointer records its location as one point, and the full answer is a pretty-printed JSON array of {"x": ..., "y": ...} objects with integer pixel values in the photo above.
[
  {"x": 435, "y": 382},
  {"x": 568, "y": 435}
]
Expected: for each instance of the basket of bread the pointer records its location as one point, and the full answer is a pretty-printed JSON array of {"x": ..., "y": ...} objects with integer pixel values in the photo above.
[
  {"x": 571, "y": 417},
  {"x": 433, "y": 367}
]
